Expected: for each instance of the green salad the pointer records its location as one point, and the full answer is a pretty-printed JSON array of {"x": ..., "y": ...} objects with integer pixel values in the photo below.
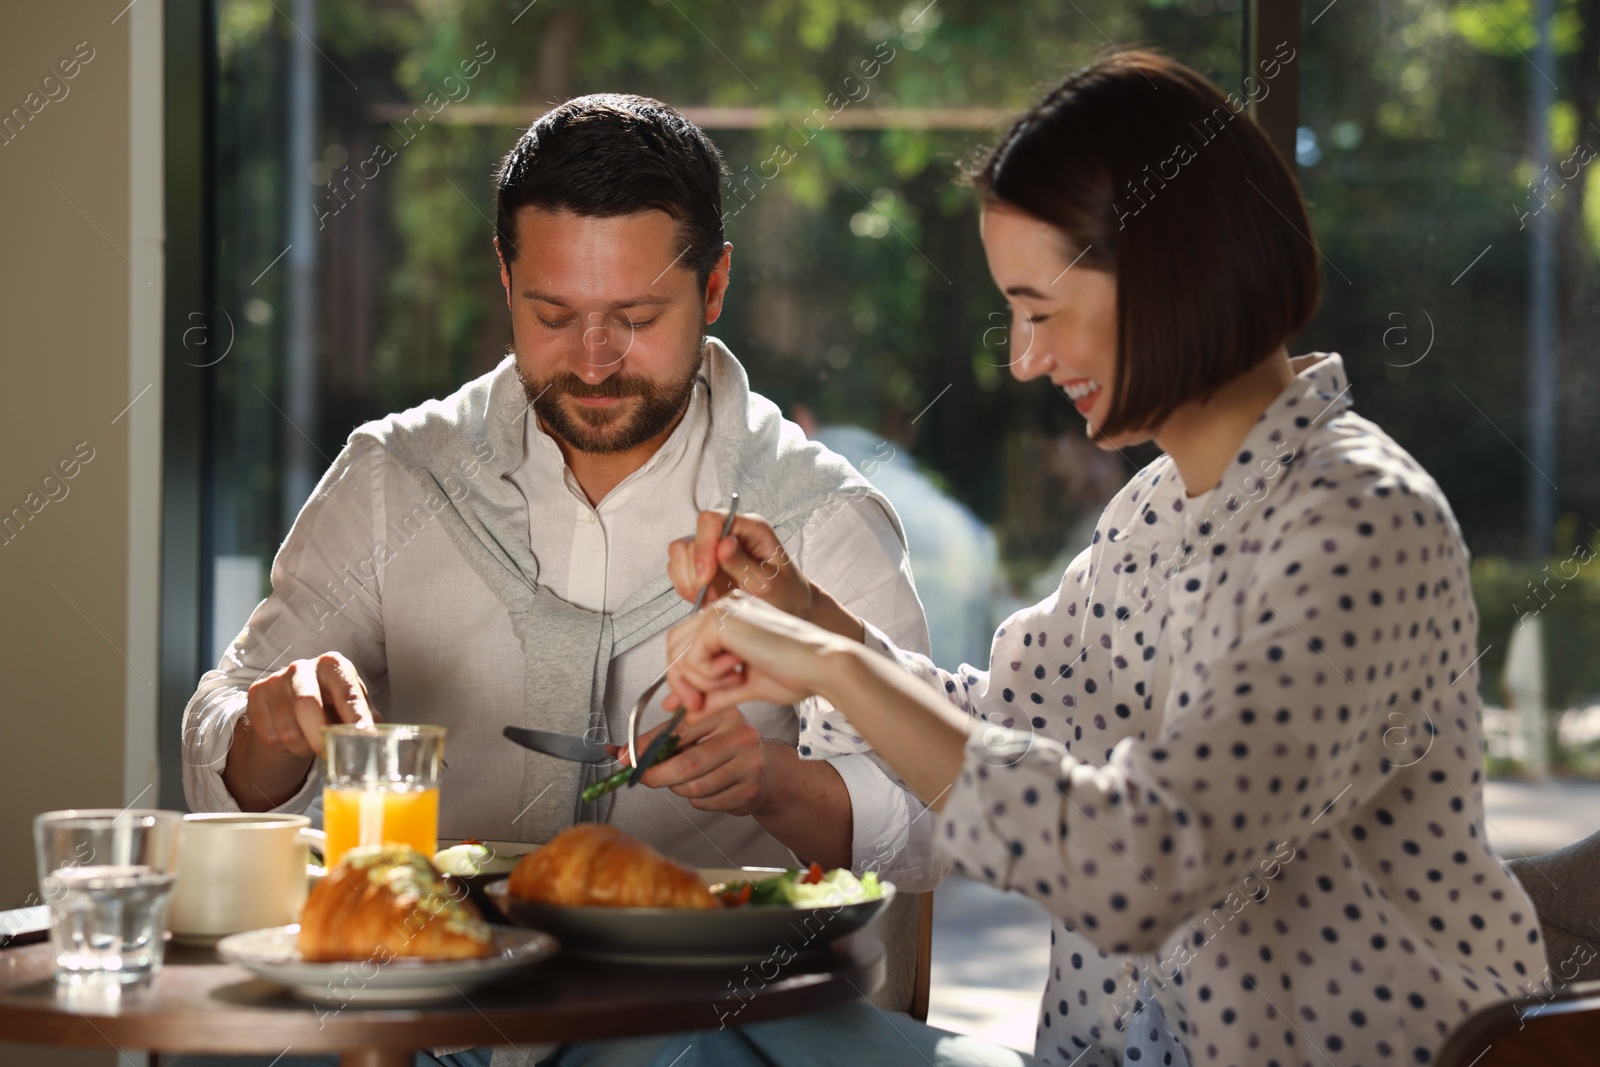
[{"x": 808, "y": 887}]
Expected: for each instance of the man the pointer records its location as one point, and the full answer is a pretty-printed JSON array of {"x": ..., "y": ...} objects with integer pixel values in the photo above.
[{"x": 499, "y": 557}]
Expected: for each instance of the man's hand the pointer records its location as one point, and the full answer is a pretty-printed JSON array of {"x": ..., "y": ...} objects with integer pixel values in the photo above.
[
  {"x": 288, "y": 709},
  {"x": 744, "y": 649},
  {"x": 280, "y": 732},
  {"x": 720, "y": 765}
]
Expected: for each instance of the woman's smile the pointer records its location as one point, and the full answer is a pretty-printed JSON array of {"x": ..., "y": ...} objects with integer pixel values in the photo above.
[{"x": 1082, "y": 392}]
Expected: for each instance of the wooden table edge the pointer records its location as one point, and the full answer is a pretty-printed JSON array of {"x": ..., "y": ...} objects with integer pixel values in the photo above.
[{"x": 859, "y": 971}]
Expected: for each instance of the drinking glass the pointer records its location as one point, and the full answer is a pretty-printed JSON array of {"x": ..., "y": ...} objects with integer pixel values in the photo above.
[
  {"x": 107, "y": 876},
  {"x": 381, "y": 786}
]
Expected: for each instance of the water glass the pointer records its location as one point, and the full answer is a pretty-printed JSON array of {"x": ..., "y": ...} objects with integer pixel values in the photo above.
[
  {"x": 107, "y": 876},
  {"x": 381, "y": 786}
]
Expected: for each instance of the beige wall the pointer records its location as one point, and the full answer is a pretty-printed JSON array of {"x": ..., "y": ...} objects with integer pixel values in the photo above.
[{"x": 80, "y": 315}]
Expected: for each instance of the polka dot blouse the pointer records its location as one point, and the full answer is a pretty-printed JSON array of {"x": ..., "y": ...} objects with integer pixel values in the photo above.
[{"x": 1237, "y": 756}]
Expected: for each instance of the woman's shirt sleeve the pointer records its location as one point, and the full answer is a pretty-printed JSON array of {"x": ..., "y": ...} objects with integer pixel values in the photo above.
[
  {"x": 1012, "y": 692},
  {"x": 1317, "y": 672}
]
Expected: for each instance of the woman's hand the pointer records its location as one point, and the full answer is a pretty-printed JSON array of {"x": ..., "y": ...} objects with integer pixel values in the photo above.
[
  {"x": 742, "y": 648},
  {"x": 752, "y": 560}
]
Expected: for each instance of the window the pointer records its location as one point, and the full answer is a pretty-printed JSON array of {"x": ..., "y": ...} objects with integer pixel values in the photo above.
[
  {"x": 352, "y": 148},
  {"x": 1413, "y": 149},
  {"x": 353, "y": 154}
]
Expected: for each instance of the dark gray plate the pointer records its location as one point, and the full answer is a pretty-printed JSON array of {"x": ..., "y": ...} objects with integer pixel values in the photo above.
[{"x": 675, "y": 935}]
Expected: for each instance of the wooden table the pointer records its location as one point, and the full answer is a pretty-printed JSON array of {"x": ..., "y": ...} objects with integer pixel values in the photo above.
[{"x": 200, "y": 1004}]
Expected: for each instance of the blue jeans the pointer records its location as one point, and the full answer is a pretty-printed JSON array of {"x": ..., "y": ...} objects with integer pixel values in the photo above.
[
  {"x": 855, "y": 1032},
  {"x": 852, "y": 1033}
]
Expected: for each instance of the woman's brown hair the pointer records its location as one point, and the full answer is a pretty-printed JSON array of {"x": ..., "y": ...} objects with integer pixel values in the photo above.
[{"x": 1156, "y": 177}]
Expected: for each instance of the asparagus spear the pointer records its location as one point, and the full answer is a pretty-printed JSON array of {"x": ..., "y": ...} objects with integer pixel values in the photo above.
[{"x": 599, "y": 789}]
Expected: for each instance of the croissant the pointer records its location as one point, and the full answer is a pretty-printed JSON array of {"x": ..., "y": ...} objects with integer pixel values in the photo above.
[
  {"x": 384, "y": 901},
  {"x": 593, "y": 865}
]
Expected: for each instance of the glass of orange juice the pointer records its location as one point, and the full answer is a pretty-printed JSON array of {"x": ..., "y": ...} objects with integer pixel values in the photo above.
[{"x": 381, "y": 786}]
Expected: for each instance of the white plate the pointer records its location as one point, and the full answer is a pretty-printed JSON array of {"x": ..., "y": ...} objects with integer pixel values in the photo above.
[
  {"x": 505, "y": 855},
  {"x": 270, "y": 953}
]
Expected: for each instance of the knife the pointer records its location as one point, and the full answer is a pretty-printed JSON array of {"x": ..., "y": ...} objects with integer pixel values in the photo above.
[{"x": 562, "y": 746}]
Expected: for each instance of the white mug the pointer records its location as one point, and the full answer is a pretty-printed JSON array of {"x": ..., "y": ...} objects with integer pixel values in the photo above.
[{"x": 239, "y": 871}]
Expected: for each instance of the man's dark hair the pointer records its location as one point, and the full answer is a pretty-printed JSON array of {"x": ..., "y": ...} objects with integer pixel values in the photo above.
[
  {"x": 1156, "y": 178},
  {"x": 614, "y": 154}
]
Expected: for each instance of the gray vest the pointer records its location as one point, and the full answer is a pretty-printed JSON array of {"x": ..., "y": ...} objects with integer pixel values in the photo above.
[{"x": 568, "y": 650}]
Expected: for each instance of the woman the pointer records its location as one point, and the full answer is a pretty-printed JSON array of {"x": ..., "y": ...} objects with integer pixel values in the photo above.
[{"x": 1237, "y": 754}]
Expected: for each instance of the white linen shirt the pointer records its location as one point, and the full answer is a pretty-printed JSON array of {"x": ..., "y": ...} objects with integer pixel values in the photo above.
[
  {"x": 360, "y": 574},
  {"x": 1237, "y": 755}
]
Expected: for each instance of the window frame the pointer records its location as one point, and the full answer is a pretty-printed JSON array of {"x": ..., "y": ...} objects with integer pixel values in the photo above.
[{"x": 189, "y": 75}]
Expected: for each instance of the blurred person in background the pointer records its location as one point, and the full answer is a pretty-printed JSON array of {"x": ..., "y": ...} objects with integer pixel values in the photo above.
[{"x": 955, "y": 558}]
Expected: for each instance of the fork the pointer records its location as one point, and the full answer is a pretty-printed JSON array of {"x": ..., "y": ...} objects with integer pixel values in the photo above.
[{"x": 643, "y": 701}]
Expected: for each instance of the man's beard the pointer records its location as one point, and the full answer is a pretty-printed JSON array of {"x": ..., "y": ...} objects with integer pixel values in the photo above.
[{"x": 609, "y": 429}]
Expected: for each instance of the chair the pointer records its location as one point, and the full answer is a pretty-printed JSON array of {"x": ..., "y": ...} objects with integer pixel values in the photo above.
[
  {"x": 1530, "y": 1032},
  {"x": 906, "y": 929},
  {"x": 1565, "y": 888},
  {"x": 1563, "y": 1026}
]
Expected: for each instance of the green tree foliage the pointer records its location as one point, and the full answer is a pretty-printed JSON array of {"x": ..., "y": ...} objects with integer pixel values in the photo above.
[{"x": 860, "y": 290}]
